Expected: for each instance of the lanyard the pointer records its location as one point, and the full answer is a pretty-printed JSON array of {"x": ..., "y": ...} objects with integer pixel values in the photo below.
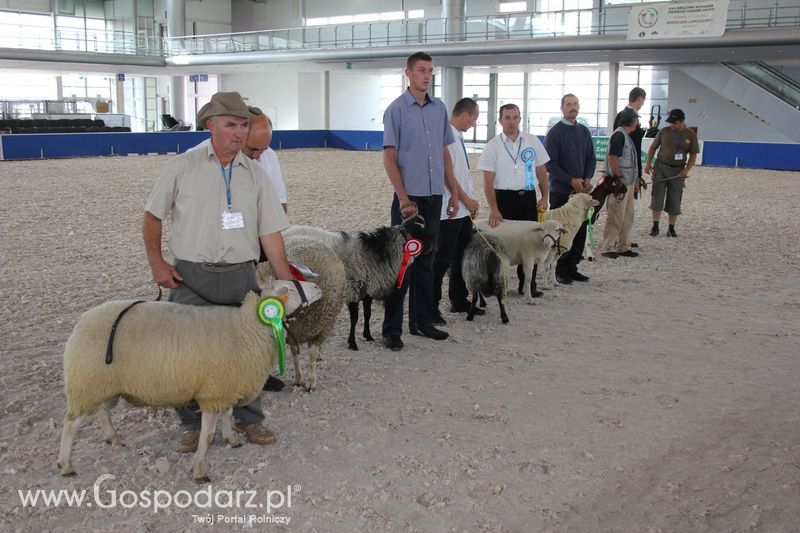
[
  {"x": 466, "y": 158},
  {"x": 514, "y": 159},
  {"x": 227, "y": 180}
]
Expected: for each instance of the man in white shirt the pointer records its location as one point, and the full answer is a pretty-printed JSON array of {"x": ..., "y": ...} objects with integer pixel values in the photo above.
[
  {"x": 513, "y": 165},
  {"x": 456, "y": 232},
  {"x": 257, "y": 148}
]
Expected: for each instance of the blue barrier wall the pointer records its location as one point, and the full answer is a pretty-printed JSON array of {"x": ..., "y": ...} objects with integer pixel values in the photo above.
[
  {"x": 772, "y": 156},
  {"x": 50, "y": 145}
]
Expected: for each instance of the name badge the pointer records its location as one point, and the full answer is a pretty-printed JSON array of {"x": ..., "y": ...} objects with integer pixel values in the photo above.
[
  {"x": 232, "y": 220},
  {"x": 678, "y": 157}
]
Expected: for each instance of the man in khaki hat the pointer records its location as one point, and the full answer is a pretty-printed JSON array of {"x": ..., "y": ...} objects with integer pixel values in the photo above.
[{"x": 223, "y": 214}]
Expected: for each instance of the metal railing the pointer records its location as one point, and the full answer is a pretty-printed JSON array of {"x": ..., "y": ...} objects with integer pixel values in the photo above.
[{"x": 611, "y": 20}]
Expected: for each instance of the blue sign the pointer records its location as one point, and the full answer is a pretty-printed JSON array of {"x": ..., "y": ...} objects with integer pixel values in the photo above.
[
  {"x": 194, "y": 78},
  {"x": 120, "y": 77}
]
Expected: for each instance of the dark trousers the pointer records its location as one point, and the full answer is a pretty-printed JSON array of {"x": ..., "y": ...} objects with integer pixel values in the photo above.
[
  {"x": 568, "y": 262},
  {"x": 518, "y": 205},
  {"x": 419, "y": 276},
  {"x": 189, "y": 414},
  {"x": 454, "y": 236}
]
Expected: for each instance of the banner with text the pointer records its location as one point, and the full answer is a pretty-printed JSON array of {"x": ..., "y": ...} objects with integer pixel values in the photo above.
[{"x": 678, "y": 20}]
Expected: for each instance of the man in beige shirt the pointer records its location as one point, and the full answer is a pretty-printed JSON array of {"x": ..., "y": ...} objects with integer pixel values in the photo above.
[{"x": 222, "y": 215}]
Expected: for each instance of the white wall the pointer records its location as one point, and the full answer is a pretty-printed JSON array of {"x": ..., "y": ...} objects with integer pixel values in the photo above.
[
  {"x": 208, "y": 17},
  {"x": 311, "y": 101},
  {"x": 275, "y": 93},
  {"x": 717, "y": 118},
  {"x": 355, "y": 102}
]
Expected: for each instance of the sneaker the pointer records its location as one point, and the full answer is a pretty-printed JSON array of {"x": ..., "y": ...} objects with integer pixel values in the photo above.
[
  {"x": 465, "y": 309},
  {"x": 577, "y": 276},
  {"x": 671, "y": 233},
  {"x": 438, "y": 319},
  {"x": 189, "y": 441},
  {"x": 654, "y": 231},
  {"x": 610, "y": 255},
  {"x": 257, "y": 433},
  {"x": 563, "y": 278},
  {"x": 432, "y": 333},
  {"x": 629, "y": 253}
]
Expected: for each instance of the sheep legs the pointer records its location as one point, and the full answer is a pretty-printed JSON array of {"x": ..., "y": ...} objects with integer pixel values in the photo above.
[
  {"x": 109, "y": 433},
  {"x": 503, "y": 315},
  {"x": 313, "y": 356},
  {"x": 227, "y": 429},
  {"x": 207, "y": 428},
  {"x": 298, "y": 374},
  {"x": 71, "y": 427},
  {"x": 367, "y": 315},
  {"x": 473, "y": 304},
  {"x": 527, "y": 269},
  {"x": 351, "y": 340}
]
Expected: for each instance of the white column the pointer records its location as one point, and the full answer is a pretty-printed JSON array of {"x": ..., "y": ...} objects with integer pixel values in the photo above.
[
  {"x": 453, "y": 77},
  {"x": 176, "y": 27},
  {"x": 613, "y": 92}
]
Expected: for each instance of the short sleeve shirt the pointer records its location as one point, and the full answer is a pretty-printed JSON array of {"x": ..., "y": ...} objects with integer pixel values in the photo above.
[
  {"x": 269, "y": 163},
  {"x": 675, "y": 142},
  {"x": 458, "y": 153},
  {"x": 192, "y": 189},
  {"x": 420, "y": 134},
  {"x": 504, "y": 158}
]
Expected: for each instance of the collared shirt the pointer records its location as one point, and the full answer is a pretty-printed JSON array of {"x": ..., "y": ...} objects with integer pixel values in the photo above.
[
  {"x": 419, "y": 133},
  {"x": 499, "y": 157},
  {"x": 192, "y": 189},
  {"x": 268, "y": 163},
  {"x": 458, "y": 154}
]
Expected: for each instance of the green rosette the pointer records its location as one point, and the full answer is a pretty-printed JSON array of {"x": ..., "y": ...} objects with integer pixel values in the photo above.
[
  {"x": 271, "y": 312},
  {"x": 589, "y": 225}
]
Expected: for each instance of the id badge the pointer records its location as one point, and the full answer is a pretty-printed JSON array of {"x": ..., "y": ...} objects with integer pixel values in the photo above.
[
  {"x": 232, "y": 220},
  {"x": 678, "y": 157}
]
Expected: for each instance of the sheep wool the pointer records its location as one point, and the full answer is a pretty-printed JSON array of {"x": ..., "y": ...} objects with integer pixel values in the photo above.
[{"x": 315, "y": 325}]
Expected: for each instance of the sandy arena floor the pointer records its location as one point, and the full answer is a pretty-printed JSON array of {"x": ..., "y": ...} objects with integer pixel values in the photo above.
[{"x": 661, "y": 396}]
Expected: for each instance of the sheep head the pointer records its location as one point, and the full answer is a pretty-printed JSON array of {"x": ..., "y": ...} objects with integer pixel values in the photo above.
[
  {"x": 583, "y": 200},
  {"x": 288, "y": 289}
]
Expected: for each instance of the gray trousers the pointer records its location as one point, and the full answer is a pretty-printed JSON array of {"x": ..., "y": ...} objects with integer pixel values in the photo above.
[{"x": 189, "y": 414}]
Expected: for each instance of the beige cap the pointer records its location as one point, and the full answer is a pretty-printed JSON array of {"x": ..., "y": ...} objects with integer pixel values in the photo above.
[{"x": 224, "y": 104}]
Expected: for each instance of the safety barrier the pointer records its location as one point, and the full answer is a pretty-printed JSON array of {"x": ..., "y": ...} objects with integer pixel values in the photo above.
[{"x": 775, "y": 156}]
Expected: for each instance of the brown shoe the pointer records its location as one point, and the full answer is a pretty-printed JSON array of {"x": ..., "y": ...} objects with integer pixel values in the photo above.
[
  {"x": 188, "y": 442},
  {"x": 257, "y": 433}
]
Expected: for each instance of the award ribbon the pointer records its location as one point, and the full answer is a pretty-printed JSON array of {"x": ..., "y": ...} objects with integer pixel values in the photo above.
[
  {"x": 589, "y": 225},
  {"x": 271, "y": 312},
  {"x": 528, "y": 157},
  {"x": 411, "y": 249}
]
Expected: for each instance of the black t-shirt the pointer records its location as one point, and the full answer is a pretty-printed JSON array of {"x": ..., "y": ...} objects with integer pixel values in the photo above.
[{"x": 616, "y": 144}]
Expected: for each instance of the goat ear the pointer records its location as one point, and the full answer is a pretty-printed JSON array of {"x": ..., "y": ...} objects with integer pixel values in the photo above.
[{"x": 595, "y": 203}]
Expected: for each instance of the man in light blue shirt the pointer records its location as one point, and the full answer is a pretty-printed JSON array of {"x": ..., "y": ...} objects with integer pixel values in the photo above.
[{"x": 415, "y": 138}]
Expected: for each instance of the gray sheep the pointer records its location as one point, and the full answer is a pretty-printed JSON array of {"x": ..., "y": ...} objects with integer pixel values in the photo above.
[
  {"x": 485, "y": 269},
  {"x": 371, "y": 260}
]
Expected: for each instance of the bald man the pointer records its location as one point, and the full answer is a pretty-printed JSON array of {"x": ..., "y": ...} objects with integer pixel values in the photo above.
[{"x": 257, "y": 148}]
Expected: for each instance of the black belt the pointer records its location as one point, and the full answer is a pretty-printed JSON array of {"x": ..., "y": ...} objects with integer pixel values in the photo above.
[
  {"x": 673, "y": 166},
  {"x": 520, "y": 192}
]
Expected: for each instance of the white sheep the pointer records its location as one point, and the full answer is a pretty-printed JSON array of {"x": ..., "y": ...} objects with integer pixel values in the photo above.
[
  {"x": 571, "y": 215},
  {"x": 315, "y": 325},
  {"x": 528, "y": 243},
  {"x": 165, "y": 355},
  {"x": 485, "y": 270},
  {"x": 371, "y": 260}
]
